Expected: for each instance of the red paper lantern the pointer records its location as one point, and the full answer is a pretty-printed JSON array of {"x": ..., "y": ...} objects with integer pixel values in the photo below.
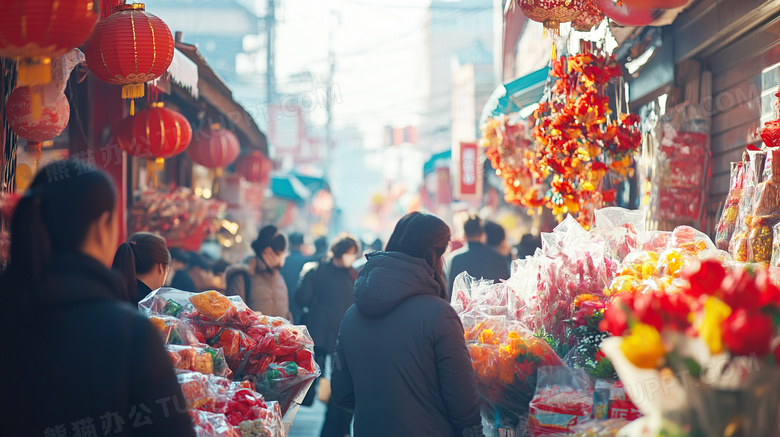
[
  {"x": 52, "y": 121},
  {"x": 155, "y": 132},
  {"x": 129, "y": 48},
  {"x": 590, "y": 17},
  {"x": 625, "y": 15},
  {"x": 215, "y": 148},
  {"x": 254, "y": 167},
  {"x": 35, "y": 31},
  {"x": 655, "y": 4},
  {"x": 552, "y": 12}
]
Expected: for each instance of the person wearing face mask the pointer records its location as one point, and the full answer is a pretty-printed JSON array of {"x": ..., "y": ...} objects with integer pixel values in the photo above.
[
  {"x": 143, "y": 262},
  {"x": 325, "y": 293},
  {"x": 259, "y": 282},
  {"x": 86, "y": 353}
]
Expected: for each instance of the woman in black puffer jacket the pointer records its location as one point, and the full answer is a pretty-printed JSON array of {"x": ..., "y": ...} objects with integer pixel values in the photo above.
[{"x": 401, "y": 362}]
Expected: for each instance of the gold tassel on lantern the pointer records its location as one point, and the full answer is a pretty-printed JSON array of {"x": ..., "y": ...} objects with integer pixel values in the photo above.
[
  {"x": 152, "y": 167},
  {"x": 133, "y": 91},
  {"x": 34, "y": 71},
  {"x": 217, "y": 175}
]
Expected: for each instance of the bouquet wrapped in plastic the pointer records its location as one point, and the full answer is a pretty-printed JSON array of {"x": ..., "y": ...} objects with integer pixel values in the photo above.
[
  {"x": 563, "y": 398},
  {"x": 275, "y": 356},
  {"x": 505, "y": 357},
  {"x": 233, "y": 402},
  {"x": 728, "y": 220}
]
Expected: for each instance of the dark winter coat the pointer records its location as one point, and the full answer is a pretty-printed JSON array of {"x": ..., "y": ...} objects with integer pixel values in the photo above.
[
  {"x": 291, "y": 272},
  {"x": 479, "y": 261},
  {"x": 326, "y": 290},
  {"x": 401, "y": 361},
  {"x": 80, "y": 362}
]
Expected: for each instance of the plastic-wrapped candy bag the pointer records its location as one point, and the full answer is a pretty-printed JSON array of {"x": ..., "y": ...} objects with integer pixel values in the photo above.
[
  {"x": 738, "y": 246},
  {"x": 765, "y": 212},
  {"x": 202, "y": 359},
  {"x": 728, "y": 219},
  {"x": 175, "y": 331},
  {"x": 563, "y": 398},
  {"x": 209, "y": 424}
]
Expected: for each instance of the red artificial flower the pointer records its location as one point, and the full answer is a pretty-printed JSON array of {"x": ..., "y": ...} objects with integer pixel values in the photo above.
[
  {"x": 748, "y": 332},
  {"x": 740, "y": 290},
  {"x": 704, "y": 277},
  {"x": 609, "y": 195},
  {"x": 615, "y": 316},
  {"x": 647, "y": 308},
  {"x": 769, "y": 293},
  {"x": 629, "y": 119}
]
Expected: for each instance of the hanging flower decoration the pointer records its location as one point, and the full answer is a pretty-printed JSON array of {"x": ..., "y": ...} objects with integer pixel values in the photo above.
[
  {"x": 576, "y": 142},
  {"x": 590, "y": 17}
]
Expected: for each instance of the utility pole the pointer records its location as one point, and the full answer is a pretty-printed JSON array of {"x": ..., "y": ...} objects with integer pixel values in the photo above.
[
  {"x": 329, "y": 95},
  {"x": 270, "y": 54}
]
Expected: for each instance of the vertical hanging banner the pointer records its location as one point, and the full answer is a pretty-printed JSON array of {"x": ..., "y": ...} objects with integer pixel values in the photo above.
[{"x": 468, "y": 184}]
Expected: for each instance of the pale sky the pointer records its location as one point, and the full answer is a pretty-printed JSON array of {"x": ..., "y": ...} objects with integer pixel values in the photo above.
[{"x": 379, "y": 54}]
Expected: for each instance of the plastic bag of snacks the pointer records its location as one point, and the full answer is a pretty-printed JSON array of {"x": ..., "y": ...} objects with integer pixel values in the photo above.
[
  {"x": 203, "y": 359},
  {"x": 274, "y": 355},
  {"x": 175, "y": 331},
  {"x": 563, "y": 398},
  {"x": 728, "y": 219},
  {"x": 212, "y": 425},
  {"x": 765, "y": 212}
]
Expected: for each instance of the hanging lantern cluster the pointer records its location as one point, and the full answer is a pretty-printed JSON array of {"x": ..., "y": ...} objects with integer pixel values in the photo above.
[
  {"x": 255, "y": 167},
  {"x": 586, "y": 14},
  {"x": 590, "y": 17},
  {"x": 34, "y": 32},
  {"x": 552, "y": 13},
  {"x": 129, "y": 48}
]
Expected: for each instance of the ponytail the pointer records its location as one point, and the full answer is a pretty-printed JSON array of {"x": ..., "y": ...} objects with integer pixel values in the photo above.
[
  {"x": 124, "y": 264},
  {"x": 30, "y": 245},
  {"x": 137, "y": 256}
]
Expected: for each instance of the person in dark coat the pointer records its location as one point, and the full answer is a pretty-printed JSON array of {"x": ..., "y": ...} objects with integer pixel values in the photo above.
[
  {"x": 479, "y": 260},
  {"x": 325, "y": 293},
  {"x": 143, "y": 262},
  {"x": 291, "y": 272},
  {"x": 80, "y": 361},
  {"x": 401, "y": 362}
]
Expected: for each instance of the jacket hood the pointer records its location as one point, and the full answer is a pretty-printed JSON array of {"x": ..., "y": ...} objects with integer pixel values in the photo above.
[{"x": 389, "y": 278}]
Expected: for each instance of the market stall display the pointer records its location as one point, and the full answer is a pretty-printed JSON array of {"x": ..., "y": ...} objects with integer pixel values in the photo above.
[
  {"x": 182, "y": 218},
  {"x": 214, "y": 334}
]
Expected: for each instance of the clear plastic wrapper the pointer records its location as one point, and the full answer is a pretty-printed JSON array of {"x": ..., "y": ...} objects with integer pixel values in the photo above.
[
  {"x": 563, "y": 398},
  {"x": 728, "y": 219},
  {"x": 775, "y": 262},
  {"x": 175, "y": 331},
  {"x": 275, "y": 356}
]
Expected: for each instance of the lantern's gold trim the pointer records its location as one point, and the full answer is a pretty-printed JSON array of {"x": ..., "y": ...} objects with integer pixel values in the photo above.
[
  {"x": 133, "y": 91},
  {"x": 131, "y": 7}
]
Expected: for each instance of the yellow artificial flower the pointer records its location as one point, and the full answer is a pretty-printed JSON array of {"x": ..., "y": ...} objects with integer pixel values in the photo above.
[
  {"x": 643, "y": 347},
  {"x": 715, "y": 312}
]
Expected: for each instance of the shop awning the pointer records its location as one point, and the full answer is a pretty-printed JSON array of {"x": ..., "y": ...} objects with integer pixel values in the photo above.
[
  {"x": 288, "y": 187},
  {"x": 516, "y": 94},
  {"x": 430, "y": 165}
]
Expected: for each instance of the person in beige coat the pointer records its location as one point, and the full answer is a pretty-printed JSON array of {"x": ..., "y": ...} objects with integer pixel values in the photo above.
[{"x": 259, "y": 282}]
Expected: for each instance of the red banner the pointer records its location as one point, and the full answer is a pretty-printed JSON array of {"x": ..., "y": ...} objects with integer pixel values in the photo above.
[{"x": 468, "y": 185}]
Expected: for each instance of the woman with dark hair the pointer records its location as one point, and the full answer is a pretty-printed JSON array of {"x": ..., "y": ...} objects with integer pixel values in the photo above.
[
  {"x": 142, "y": 261},
  {"x": 259, "y": 282},
  {"x": 325, "y": 293},
  {"x": 89, "y": 359},
  {"x": 401, "y": 362}
]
